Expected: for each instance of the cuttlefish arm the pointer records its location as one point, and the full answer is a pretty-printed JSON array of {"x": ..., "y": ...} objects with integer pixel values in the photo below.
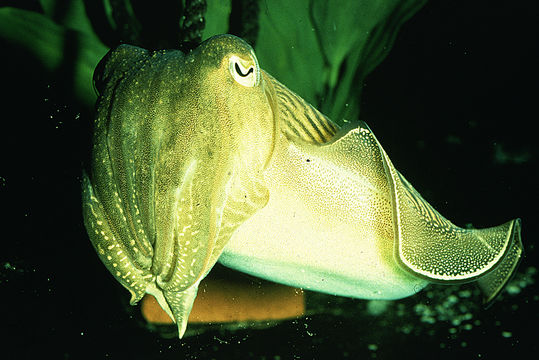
[{"x": 342, "y": 220}]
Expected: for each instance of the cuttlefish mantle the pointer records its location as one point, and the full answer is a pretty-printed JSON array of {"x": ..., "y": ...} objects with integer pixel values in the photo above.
[
  {"x": 203, "y": 156},
  {"x": 342, "y": 220}
]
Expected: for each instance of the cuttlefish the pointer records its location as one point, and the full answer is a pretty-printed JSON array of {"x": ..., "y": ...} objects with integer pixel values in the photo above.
[{"x": 204, "y": 156}]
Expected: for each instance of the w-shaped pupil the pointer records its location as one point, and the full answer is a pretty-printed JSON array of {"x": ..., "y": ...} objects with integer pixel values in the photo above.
[{"x": 238, "y": 70}]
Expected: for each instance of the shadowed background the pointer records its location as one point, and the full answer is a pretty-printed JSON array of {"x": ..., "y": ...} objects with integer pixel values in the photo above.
[{"x": 453, "y": 104}]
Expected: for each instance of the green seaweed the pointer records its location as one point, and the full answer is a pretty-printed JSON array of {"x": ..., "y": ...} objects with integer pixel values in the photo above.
[
  {"x": 323, "y": 50},
  {"x": 63, "y": 53}
]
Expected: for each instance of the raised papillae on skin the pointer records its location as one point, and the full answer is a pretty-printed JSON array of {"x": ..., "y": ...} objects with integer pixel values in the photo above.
[{"x": 203, "y": 156}]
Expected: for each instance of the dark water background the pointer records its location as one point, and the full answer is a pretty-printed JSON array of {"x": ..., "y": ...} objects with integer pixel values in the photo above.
[{"x": 455, "y": 107}]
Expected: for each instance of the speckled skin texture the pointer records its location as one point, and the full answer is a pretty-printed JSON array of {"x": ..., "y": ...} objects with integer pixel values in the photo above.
[{"x": 202, "y": 152}]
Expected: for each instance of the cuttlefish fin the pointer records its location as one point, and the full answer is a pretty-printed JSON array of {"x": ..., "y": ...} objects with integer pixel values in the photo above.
[
  {"x": 425, "y": 243},
  {"x": 430, "y": 246},
  {"x": 492, "y": 283}
]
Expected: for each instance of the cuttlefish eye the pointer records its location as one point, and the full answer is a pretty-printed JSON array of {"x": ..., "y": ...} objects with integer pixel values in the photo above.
[{"x": 245, "y": 72}]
